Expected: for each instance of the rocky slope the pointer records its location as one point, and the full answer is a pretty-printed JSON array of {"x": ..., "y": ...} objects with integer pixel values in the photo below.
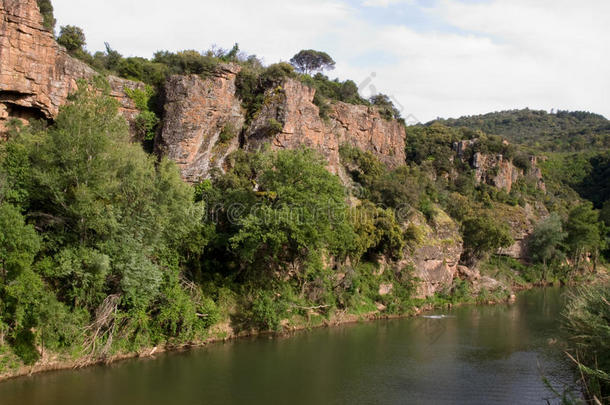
[
  {"x": 496, "y": 170},
  {"x": 360, "y": 126},
  {"x": 435, "y": 258},
  {"x": 197, "y": 111},
  {"x": 36, "y": 74}
]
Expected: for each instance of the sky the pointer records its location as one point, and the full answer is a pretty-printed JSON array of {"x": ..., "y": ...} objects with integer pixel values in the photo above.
[{"x": 434, "y": 58}]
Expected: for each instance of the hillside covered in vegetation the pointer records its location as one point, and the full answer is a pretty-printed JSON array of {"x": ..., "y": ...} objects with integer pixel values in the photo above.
[
  {"x": 562, "y": 131},
  {"x": 309, "y": 205}
]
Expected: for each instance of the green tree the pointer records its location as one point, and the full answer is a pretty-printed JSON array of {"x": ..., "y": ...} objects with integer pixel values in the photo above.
[
  {"x": 46, "y": 9},
  {"x": 308, "y": 61},
  {"x": 302, "y": 209},
  {"x": 386, "y": 107},
  {"x": 19, "y": 243},
  {"x": 377, "y": 232},
  {"x": 583, "y": 232},
  {"x": 544, "y": 243},
  {"x": 108, "y": 209},
  {"x": 20, "y": 288},
  {"x": 72, "y": 38},
  {"x": 483, "y": 235}
]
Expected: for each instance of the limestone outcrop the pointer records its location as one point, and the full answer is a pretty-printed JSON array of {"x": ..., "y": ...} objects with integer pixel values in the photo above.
[{"x": 36, "y": 74}]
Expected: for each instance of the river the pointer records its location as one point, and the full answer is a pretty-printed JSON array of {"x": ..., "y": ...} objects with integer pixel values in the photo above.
[{"x": 472, "y": 355}]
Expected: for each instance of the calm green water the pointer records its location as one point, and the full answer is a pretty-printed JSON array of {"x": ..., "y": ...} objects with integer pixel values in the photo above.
[{"x": 480, "y": 355}]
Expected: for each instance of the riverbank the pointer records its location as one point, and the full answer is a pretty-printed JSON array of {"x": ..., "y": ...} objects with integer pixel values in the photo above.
[
  {"x": 426, "y": 359},
  {"x": 223, "y": 332}
]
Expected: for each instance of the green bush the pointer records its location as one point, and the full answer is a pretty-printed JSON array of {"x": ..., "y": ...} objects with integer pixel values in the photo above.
[
  {"x": 428, "y": 209},
  {"x": 46, "y": 9},
  {"x": 147, "y": 121},
  {"x": 274, "y": 127},
  {"x": 484, "y": 235},
  {"x": 523, "y": 162},
  {"x": 227, "y": 133},
  {"x": 267, "y": 312},
  {"x": 587, "y": 320},
  {"x": 385, "y": 106},
  {"x": 187, "y": 62}
]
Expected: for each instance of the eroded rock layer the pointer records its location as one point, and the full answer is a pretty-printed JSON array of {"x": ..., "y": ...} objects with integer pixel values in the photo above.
[
  {"x": 197, "y": 111},
  {"x": 36, "y": 74}
]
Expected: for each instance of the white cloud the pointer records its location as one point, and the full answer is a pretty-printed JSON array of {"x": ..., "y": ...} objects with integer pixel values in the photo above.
[
  {"x": 489, "y": 56},
  {"x": 385, "y": 3}
]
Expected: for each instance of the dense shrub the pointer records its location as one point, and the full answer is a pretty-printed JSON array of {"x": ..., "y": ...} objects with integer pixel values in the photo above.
[
  {"x": 587, "y": 319},
  {"x": 227, "y": 133},
  {"x": 114, "y": 221},
  {"x": 72, "y": 38},
  {"x": 483, "y": 235},
  {"x": 46, "y": 9},
  {"x": 385, "y": 106}
]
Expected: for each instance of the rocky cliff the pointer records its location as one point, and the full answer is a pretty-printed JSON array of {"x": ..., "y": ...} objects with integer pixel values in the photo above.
[
  {"x": 360, "y": 126},
  {"x": 198, "y": 111},
  {"x": 496, "y": 170},
  {"x": 36, "y": 74},
  {"x": 435, "y": 257}
]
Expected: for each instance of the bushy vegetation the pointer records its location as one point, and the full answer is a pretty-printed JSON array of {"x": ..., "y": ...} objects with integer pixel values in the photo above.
[
  {"x": 587, "y": 320},
  {"x": 73, "y": 39},
  {"x": 93, "y": 235},
  {"x": 147, "y": 121},
  {"x": 103, "y": 249},
  {"x": 254, "y": 81},
  {"x": 561, "y": 131},
  {"x": 46, "y": 9},
  {"x": 483, "y": 235}
]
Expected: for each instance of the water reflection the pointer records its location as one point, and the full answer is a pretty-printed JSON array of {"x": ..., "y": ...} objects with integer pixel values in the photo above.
[{"x": 487, "y": 354}]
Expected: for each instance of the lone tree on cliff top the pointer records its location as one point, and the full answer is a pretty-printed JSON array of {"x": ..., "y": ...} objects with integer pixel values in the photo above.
[
  {"x": 72, "y": 37},
  {"x": 309, "y": 61}
]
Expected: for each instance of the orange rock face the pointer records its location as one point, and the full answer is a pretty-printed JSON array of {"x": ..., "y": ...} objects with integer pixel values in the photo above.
[
  {"x": 502, "y": 173},
  {"x": 196, "y": 113},
  {"x": 357, "y": 125},
  {"x": 36, "y": 74}
]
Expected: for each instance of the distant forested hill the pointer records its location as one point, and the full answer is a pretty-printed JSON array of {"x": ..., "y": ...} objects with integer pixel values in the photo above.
[{"x": 563, "y": 131}]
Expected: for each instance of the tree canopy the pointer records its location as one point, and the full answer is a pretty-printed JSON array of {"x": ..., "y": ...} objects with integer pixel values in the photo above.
[
  {"x": 72, "y": 37},
  {"x": 309, "y": 61},
  {"x": 46, "y": 9}
]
